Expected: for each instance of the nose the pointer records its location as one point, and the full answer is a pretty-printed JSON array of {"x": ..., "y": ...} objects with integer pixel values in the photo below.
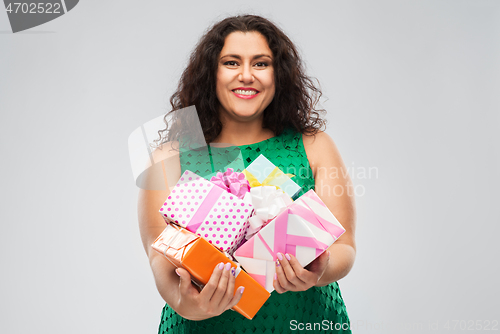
[{"x": 246, "y": 75}]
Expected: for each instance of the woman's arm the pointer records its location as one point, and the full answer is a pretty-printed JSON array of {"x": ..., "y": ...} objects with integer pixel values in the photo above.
[
  {"x": 174, "y": 285},
  {"x": 334, "y": 186},
  {"x": 151, "y": 224}
]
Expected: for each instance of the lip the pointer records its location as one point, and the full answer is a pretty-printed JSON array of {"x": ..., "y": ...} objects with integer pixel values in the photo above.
[{"x": 246, "y": 97}]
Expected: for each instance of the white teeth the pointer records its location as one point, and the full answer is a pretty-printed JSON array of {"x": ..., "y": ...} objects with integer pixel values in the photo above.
[{"x": 245, "y": 92}]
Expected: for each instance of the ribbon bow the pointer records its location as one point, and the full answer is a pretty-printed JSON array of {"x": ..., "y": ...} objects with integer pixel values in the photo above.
[
  {"x": 267, "y": 202},
  {"x": 233, "y": 182},
  {"x": 276, "y": 178}
]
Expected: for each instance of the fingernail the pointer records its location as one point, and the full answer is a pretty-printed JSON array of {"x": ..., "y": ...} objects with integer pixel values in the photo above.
[
  {"x": 278, "y": 263},
  {"x": 275, "y": 276},
  {"x": 237, "y": 271},
  {"x": 177, "y": 273},
  {"x": 228, "y": 265},
  {"x": 221, "y": 266},
  {"x": 280, "y": 256},
  {"x": 328, "y": 253},
  {"x": 233, "y": 271},
  {"x": 242, "y": 289},
  {"x": 287, "y": 256}
]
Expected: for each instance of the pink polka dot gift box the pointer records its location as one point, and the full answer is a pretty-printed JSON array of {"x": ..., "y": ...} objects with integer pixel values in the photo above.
[{"x": 208, "y": 211}]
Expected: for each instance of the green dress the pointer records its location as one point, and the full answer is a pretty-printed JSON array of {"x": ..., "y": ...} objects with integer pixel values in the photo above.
[{"x": 320, "y": 308}]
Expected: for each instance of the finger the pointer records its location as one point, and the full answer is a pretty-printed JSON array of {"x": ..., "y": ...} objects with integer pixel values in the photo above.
[
  {"x": 281, "y": 277},
  {"x": 277, "y": 286},
  {"x": 228, "y": 296},
  {"x": 185, "y": 285},
  {"x": 236, "y": 298},
  {"x": 221, "y": 286},
  {"x": 324, "y": 264},
  {"x": 290, "y": 274},
  {"x": 211, "y": 286},
  {"x": 319, "y": 265},
  {"x": 302, "y": 274}
]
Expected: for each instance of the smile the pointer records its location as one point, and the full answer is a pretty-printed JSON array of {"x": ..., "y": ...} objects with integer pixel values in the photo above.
[{"x": 245, "y": 93}]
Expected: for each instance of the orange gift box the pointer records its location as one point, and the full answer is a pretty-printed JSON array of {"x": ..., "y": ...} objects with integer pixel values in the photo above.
[{"x": 186, "y": 250}]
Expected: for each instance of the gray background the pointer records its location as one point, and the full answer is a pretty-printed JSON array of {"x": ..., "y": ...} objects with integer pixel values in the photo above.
[{"x": 411, "y": 89}]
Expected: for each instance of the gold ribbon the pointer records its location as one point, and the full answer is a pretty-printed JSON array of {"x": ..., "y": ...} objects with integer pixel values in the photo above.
[{"x": 275, "y": 178}]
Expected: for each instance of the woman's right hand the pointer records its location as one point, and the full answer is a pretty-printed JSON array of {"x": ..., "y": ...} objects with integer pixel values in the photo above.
[
  {"x": 182, "y": 296},
  {"x": 215, "y": 297}
]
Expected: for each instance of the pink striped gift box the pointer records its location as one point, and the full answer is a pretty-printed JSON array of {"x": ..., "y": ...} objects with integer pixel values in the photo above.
[{"x": 305, "y": 230}]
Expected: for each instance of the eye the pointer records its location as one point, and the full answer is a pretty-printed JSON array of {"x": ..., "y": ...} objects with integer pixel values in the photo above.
[
  {"x": 231, "y": 63},
  {"x": 262, "y": 64}
]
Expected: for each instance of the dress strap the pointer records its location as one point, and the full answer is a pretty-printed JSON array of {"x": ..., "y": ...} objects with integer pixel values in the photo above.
[{"x": 211, "y": 158}]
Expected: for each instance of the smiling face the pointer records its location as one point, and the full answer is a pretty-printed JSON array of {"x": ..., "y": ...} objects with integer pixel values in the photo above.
[{"x": 245, "y": 77}]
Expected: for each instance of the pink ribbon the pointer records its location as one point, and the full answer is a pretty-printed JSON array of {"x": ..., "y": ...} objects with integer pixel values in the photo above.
[
  {"x": 233, "y": 182},
  {"x": 208, "y": 203}
]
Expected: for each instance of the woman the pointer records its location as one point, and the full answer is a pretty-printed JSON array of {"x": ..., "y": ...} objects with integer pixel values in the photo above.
[{"x": 246, "y": 80}]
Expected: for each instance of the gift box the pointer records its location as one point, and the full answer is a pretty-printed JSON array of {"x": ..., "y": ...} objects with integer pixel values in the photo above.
[
  {"x": 267, "y": 202},
  {"x": 186, "y": 250},
  {"x": 305, "y": 230},
  {"x": 262, "y": 172},
  {"x": 208, "y": 211},
  {"x": 233, "y": 182}
]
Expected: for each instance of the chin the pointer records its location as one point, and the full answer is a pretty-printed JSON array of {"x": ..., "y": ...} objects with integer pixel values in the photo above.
[{"x": 247, "y": 115}]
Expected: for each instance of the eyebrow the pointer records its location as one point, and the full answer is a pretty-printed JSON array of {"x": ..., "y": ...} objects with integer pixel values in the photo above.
[{"x": 254, "y": 57}]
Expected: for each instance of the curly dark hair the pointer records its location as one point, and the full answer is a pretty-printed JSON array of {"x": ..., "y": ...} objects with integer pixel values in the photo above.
[{"x": 296, "y": 96}]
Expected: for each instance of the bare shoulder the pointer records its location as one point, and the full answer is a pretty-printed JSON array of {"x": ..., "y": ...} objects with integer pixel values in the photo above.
[
  {"x": 318, "y": 140},
  {"x": 321, "y": 151},
  {"x": 165, "y": 151}
]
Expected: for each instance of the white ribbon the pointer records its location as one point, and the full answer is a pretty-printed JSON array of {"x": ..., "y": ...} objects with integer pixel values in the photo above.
[{"x": 267, "y": 202}]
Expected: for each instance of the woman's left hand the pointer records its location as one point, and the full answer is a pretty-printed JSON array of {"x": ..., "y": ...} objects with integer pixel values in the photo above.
[{"x": 291, "y": 276}]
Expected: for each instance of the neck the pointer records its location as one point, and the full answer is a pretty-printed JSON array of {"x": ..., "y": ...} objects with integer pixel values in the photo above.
[{"x": 243, "y": 133}]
